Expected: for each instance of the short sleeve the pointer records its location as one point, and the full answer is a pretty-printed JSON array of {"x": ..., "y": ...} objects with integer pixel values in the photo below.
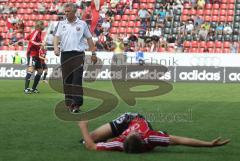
[{"x": 86, "y": 31}]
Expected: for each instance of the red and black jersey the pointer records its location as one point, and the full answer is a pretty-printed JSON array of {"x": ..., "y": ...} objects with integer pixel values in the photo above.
[
  {"x": 150, "y": 138},
  {"x": 33, "y": 46},
  {"x": 42, "y": 53}
]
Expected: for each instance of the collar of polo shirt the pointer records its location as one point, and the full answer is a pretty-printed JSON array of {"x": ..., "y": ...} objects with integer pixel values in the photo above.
[{"x": 77, "y": 19}]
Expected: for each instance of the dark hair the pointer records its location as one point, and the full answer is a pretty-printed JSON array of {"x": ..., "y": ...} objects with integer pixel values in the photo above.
[{"x": 133, "y": 144}]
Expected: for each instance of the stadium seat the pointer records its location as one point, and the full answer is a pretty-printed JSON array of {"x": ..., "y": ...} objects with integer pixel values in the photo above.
[
  {"x": 136, "y": 30},
  {"x": 123, "y": 23},
  {"x": 230, "y": 12},
  {"x": 210, "y": 44},
  {"x": 192, "y": 12},
  {"x": 186, "y": 44},
  {"x": 194, "y": 44},
  {"x": 223, "y": 12},
  {"x": 161, "y": 49},
  {"x": 200, "y": 12},
  {"x": 113, "y": 30},
  {"x": 208, "y": 6},
  {"x": 185, "y": 11},
  {"x": 138, "y": 23},
  {"x": 226, "y": 44},
  {"x": 127, "y": 11},
  {"x": 218, "y": 50},
  {"x": 215, "y": 19},
  {"x": 215, "y": 6},
  {"x": 208, "y": 12},
  {"x": 231, "y": 6},
  {"x": 215, "y": 12},
  {"x": 218, "y": 44},
  {"x": 135, "y": 6},
  {"x": 230, "y": 18},
  {"x": 115, "y": 23},
  {"x": 124, "y": 18},
  {"x": 117, "y": 18},
  {"x": 223, "y": 6},
  {"x": 132, "y": 18},
  {"x": 131, "y": 24},
  {"x": 122, "y": 30}
]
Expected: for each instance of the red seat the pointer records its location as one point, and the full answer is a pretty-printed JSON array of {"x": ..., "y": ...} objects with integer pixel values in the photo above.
[
  {"x": 218, "y": 50},
  {"x": 222, "y": 12},
  {"x": 113, "y": 30},
  {"x": 161, "y": 49},
  {"x": 215, "y": 12},
  {"x": 138, "y": 23},
  {"x": 124, "y": 18},
  {"x": 133, "y": 11},
  {"x": 208, "y": 6},
  {"x": 223, "y": 6},
  {"x": 200, "y": 12},
  {"x": 131, "y": 24},
  {"x": 132, "y": 18},
  {"x": 127, "y": 11},
  {"x": 218, "y": 44},
  {"x": 231, "y": 6},
  {"x": 207, "y": 18},
  {"x": 207, "y": 12},
  {"x": 122, "y": 30},
  {"x": 123, "y": 23},
  {"x": 117, "y": 18},
  {"x": 4, "y": 48},
  {"x": 210, "y": 44},
  {"x": 185, "y": 11},
  {"x": 215, "y": 18},
  {"x": 226, "y": 50},
  {"x": 194, "y": 44},
  {"x": 129, "y": 30},
  {"x": 115, "y": 23},
  {"x": 185, "y": 18},
  {"x": 19, "y": 48},
  {"x": 135, "y": 6},
  {"x": 226, "y": 44},
  {"x": 230, "y": 18},
  {"x": 215, "y": 6},
  {"x": 186, "y": 44},
  {"x": 222, "y": 18},
  {"x": 230, "y": 1},
  {"x": 230, "y": 12},
  {"x": 136, "y": 30},
  {"x": 193, "y": 50},
  {"x": 193, "y": 12}
]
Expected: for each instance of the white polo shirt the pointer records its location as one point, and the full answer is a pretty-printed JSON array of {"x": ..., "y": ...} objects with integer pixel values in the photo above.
[{"x": 72, "y": 35}]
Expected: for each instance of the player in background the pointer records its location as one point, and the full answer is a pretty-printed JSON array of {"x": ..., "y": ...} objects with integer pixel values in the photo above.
[
  {"x": 33, "y": 61},
  {"x": 42, "y": 56},
  {"x": 134, "y": 134}
]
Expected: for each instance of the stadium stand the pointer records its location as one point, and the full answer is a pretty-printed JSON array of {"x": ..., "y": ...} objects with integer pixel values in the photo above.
[{"x": 170, "y": 26}]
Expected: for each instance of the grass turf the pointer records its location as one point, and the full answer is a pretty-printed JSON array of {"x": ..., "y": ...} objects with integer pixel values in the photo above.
[{"x": 29, "y": 129}]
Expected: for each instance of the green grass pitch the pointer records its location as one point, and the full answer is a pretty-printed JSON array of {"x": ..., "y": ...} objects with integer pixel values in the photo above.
[{"x": 30, "y": 131}]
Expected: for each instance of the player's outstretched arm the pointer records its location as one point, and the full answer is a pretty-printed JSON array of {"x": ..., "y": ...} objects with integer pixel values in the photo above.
[
  {"x": 178, "y": 140},
  {"x": 89, "y": 143}
]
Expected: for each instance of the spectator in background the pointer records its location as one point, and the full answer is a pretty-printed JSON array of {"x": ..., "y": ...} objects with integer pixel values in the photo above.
[
  {"x": 14, "y": 38},
  {"x": 49, "y": 41},
  {"x": 198, "y": 21},
  {"x": 234, "y": 47},
  {"x": 200, "y": 4},
  {"x": 219, "y": 28},
  {"x": 41, "y": 8},
  {"x": 143, "y": 14},
  {"x": 53, "y": 9},
  {"x": 17, "y": 59},
  {"x": 227, "y": 29},
  {"x": 106, "y": 25}
]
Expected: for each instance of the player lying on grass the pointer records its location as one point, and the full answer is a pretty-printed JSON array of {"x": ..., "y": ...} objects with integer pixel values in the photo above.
[{"x": 133, "y": 134}]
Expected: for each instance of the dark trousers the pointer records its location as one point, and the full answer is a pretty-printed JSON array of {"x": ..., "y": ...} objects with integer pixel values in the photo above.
[{"x": 72, "y": 73}]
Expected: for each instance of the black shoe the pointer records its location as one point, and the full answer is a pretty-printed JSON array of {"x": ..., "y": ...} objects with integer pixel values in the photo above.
[
  {"x": 35, "y": 91},
  {"x": 27, "y": 91},
  {"x": 81, "y": 141},
  {"x": 75, "y": 110}
]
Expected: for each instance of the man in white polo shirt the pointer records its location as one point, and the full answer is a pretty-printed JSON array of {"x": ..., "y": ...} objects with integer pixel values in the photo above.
[{"x": 71, "y": 34}]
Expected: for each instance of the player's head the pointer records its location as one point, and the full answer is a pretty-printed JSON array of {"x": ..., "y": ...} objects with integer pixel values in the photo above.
[
  {"x": 70, "y": 10},
  {"x": 133, "y": 143},
  {"x": 39, "y": 25}
]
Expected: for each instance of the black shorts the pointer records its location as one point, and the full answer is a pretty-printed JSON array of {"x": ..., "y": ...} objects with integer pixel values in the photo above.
[
  {"x": 121, "y": 123},
  {"x": 44, "y": 66},
  {"x": 34, "y": 62}
]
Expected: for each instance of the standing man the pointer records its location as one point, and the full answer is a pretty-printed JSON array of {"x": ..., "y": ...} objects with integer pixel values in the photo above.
[
  {"x": 33, "y": 61},
  {"x": 71, "y": 33}
]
